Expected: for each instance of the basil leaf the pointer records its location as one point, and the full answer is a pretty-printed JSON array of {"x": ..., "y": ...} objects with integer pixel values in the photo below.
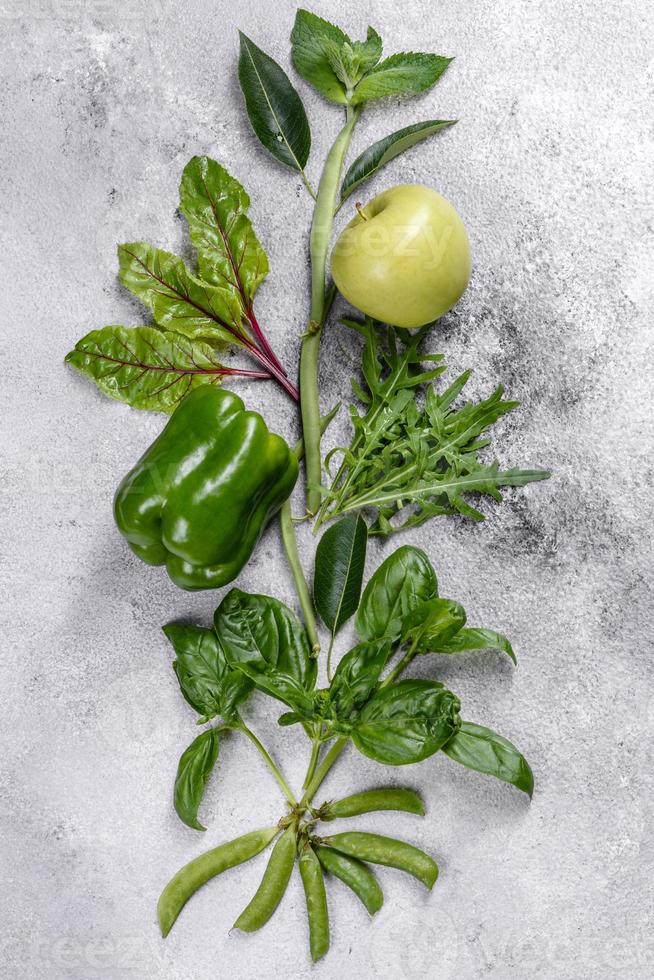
[
  {"x": 312, "y": 41},
  {"x": 178, "y": 300},
  {"x": 485, "y": 751},
  {"x": 476, "y": 639},
  {"x": 401, "y": 74},
  {"x": 195, "y": 767},
  {"x": 432, "y": 623},
  {"x": 273, "y": 106},
  {"x": 262, "y": 631},
  {"x": 215, "y": 206},
  {"x": 340, "y": 560},
  {"x": 205, "y": 678},
  {"x": 401, "y": 582},
  {"x": 289, "y": 718},
  {"x": 279, "y": 685},
  {"x": 145, "y": 367},
  {"x": 406, "y": 722},
  {"x": 386, "y": 149},
  {"x": 356, "y": 676}
]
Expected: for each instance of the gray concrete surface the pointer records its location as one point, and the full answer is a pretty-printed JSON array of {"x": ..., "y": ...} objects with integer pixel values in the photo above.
[{"x": 551, "y": 167}]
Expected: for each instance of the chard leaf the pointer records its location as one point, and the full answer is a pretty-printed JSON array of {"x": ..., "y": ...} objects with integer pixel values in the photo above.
[
  {"x": 402, "y": 581},
  {"x": 148, "y": 368},
  {"x": 340, "y": 560},
  {"x": 406, "y": 722},
  {"x": 195, "y": 766},
  {"x": 180, "y": 302},
  {"x": 273, "y": 106},
  {"x": 386, "y": 149},
  {"x": 401, "y": 74},
  {"x": 215, "y": 206},
  {"x": 485, "y": 751}
]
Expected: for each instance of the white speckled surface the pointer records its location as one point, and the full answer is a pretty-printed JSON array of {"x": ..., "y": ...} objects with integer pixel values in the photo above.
[{"x": 551, "y": 166}]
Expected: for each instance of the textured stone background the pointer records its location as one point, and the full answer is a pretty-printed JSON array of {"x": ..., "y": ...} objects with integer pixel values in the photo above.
[{"x": 551, "y": 167}]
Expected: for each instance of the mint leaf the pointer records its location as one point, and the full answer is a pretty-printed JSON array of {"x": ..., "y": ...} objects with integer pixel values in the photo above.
[
  {"x": 179, "y": 302},
  {"x": 386, "y": 149},
  {"x": 401, "y": 74},
  {"x": 215, "y": 206},
  {"x": 148, "y": 368},
  {"x": 314, "y": 44},
  {"x": 273, "y": 106}
]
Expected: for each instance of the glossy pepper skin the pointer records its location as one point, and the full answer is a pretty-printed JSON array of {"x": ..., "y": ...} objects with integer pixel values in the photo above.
[{"x": 198, "y": 500}]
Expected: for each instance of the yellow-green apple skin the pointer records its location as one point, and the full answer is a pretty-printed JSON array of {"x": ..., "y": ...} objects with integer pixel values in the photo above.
[{"x": 404, "y": 258}]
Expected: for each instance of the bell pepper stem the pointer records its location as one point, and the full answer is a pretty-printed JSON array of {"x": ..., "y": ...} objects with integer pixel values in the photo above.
[
  {"x": 321, "y": 232},
  {"x": 290, "y": 547},
  {"x": 285, "y": 788}
]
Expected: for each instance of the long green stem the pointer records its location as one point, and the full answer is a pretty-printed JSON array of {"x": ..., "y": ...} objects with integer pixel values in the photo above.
[
  {"x": 285, "y": 788},
  {"x": 313, "y": 761},
  {"x": 321, "y": 232},
  {"x": 301, "y": 587},
  {"x": 322, "y": 770}
]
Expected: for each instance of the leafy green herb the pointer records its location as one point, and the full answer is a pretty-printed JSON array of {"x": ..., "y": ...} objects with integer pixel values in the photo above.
[
  {"x": 411, "y": 459},
  {"x": 432, "y": 623},
  {"x": 475, "y": 639},
  {"x": 195, "y": 766},
  {"x": 401, "y": 74},
  {"x": 402, "y": 581},
  {"x": 356, "y": 677},
  {"x": 386, "y": 149},
  {"x": 485, "y": 751},
  {"x": 340, "y": 560}
]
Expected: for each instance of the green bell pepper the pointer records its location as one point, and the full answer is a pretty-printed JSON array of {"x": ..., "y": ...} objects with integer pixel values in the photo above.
[{"x": 198, "y": 500}]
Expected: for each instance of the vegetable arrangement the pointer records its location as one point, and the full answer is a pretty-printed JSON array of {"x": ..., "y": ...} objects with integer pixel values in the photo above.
[{"x": 200, "y": 497}]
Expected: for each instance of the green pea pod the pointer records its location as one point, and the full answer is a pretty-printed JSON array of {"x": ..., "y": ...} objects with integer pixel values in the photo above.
[
  {"x": 273, "y": 884},
  {"x": 386, "y": 850},
  {"x": 374, "y": 799},
  {"x": 354, "y": 874},
  {"x": 193, "y": 875},
  {"x": 314, "y": 891}
]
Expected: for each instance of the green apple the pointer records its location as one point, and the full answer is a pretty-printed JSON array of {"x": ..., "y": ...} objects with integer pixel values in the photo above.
[{"x": 404, "y": 258}]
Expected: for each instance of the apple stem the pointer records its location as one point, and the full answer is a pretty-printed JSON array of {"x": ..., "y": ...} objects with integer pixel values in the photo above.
[
  {"x": 321, "y": 233},
  {"x": 359, "y": 207}
]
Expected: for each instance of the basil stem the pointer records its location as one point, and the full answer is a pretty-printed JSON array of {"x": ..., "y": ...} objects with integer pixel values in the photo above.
[{"x": 321, "y": 232}]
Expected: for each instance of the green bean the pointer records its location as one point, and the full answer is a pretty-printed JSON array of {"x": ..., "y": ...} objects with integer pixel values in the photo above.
[
  {"x": 193, "y": 875},
  {"x": 354, "y": 874},
  {"x": 374, "y": 799},
  {"x": 273, "y": 884},
  {"x": 388, "y": 851},
  {"x": 314, "y": 891}
]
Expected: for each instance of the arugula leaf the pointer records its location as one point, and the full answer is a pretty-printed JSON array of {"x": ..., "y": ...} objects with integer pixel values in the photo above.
[
  {"x": 148, "y": 368},
  {"x": 401, "y": 582},
  {"x": 205, "y": 678},
  {"x": 485, "y": 751},
  {"x": 411, "y": 460},
  {"x": 215, "y": 206},
  {"x": 431, "y": 623},
  {"x": 386, "y": 149},
  {"x": 195, "y": 766},
  {"x": 273, "y": 106},
  {"x": 340, "y": 560},
  {"x": 475, "y": 639},
  {"x": 179, "y": 302},
  {"x": 406, "y": 722},
  {"x": 356, "y": 676},
  {"x": 261, "y": 631},
  {"x": 401, "y": 74}
]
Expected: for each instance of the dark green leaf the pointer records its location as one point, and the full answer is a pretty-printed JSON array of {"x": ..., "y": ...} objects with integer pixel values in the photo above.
[
  {"x": 273, "y": 106},
  {"x": 476, "y": 639},
  {"x": 289, "y": 718},
  {"x": 145, "y": 367},
  {"x": 279, "y": 685},
  {"x": 485, "y": 751},
  {"x": 401, "y": 74},
  {"x": 179, "y": 302},
  {"x": 386, "y": 149},
  {"x": 401, "y": 582},
  {"x": 206, "y": 680},
  {"x": 406, "y": 722},
  {"x": 263, "y": 631},
  {"x": 195, "y": 767},
  {"x": 340, "y": 560},
  {"x": 215, "y": 206},
  {"x": 356, "y": 677},
  {"x": 432, "y": 623}
]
